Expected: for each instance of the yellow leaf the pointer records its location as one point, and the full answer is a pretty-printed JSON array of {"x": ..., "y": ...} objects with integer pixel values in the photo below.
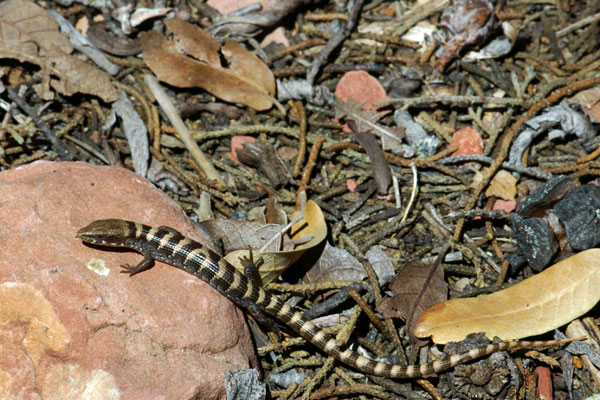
[
  {"x": 275, "y": 262},
  {"x": 536, "y": 305}
]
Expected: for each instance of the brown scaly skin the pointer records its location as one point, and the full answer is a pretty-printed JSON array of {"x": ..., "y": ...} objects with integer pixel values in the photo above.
[{"x": 169, "y": 246}]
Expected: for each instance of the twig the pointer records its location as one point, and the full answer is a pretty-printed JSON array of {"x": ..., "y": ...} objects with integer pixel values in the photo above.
[
  {"x": 334, "y": 42},
  {"x": 510, "y": 134},
  {"x": 579, "y": 24},
  {"x": 302, "y": 141},
  {"x": 61, "y": 150},
  {"x": 184, "y": 134},
  {"x": 413, "y": 194}
]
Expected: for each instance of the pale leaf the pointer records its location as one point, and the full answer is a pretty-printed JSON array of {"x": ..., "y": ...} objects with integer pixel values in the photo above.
[
  {"x": 534, "y": 306},
  {"x": 335, "y": 264},
  {"x": 503, "y": 185}
]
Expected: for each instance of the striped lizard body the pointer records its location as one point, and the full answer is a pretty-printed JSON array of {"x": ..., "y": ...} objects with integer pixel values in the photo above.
[{"x": 169, "y": 246}]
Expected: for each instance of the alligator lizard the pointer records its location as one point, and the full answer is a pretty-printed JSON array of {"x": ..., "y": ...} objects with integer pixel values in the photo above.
[{"x": 169, "y": 246}]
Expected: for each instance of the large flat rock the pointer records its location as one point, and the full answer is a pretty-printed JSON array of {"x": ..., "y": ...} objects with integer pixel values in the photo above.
[{"x": 72, "y": 326}]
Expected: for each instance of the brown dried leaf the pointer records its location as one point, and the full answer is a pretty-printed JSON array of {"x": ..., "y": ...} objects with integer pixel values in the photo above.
[
  {"x": 245, "y": 79},
  {"x": 467, "y": 22},
  {"x": 414, "y": 293},
  {"x": 195, "y": 41},
  {"x": 30, "y": 34},
  {"x": 534, "y": 306}
]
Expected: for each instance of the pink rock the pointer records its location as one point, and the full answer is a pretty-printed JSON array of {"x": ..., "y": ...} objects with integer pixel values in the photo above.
[
  {"x": 71, "y": 324},
  {"x": 468, "y": 141},
  {"x": 351, "y": 184},
  {"x": 237, "y": 143},
  {"x": 363, "y": 88},
  {"x": 505, "y": 205}
]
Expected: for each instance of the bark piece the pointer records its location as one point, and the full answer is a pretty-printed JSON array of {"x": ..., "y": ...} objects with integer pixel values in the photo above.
[{"x": 262, "y": 155}]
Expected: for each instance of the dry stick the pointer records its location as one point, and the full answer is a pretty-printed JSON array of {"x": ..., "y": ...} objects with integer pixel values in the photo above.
[
  {"x": 88, "y": 148},
  {"x": 370, "y": 314},
  {"x": 61, "y": 150},
  {"x": 507, "y": 139},
  {"x": 296, "y": 47},
  {"x": 142, "y": 101},
  {"x": 334, "y": 42},
  {"x": 374, "y": 391},
  {"x": 489, "y": 230},
  {"x": 428, "y": 162},
  {"x": 302, "y": 140},
  {"x": 312, "y": 161},
  {"x": 153, "y": 120},
  {"x": 432, "y": 390},
  {"x": 589, "y": 157},
  {"x": 387, "y": 326},
  {"x": 579, "y": 24},
  {"x": 413, "y": 193},
  {"x": 342, "y": 338},
  {"x": 184, "y": 134},
  {"x": 418, "y": 13},
  {"x": 155, "y": 127}
]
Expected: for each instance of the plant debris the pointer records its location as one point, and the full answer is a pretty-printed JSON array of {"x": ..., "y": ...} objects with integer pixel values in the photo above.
[{"x": 374, "y": 140}]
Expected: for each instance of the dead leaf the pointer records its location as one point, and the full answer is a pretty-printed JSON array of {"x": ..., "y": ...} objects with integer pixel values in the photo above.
[
  {"x": 244, "y": 79},
  {"x": 30, "y": 34},
  {"x": 274, "y": 214},
  {"x": 335, "y": 264},
  {"x": 311, "y": 227},
  {"x": 414, "y": 292},
  {"x": 237, "y": 235},
  {"x": 586, "y": 98},
  {"x": 589, "y": 99},
  {"x": 534, "y": 306},
  {"x": 467, "y": 22}
]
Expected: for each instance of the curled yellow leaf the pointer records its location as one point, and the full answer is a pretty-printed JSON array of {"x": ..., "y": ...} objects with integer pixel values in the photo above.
[
  {"x": 536, "y": 305},
  {"x": 312, "y": 226}
]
